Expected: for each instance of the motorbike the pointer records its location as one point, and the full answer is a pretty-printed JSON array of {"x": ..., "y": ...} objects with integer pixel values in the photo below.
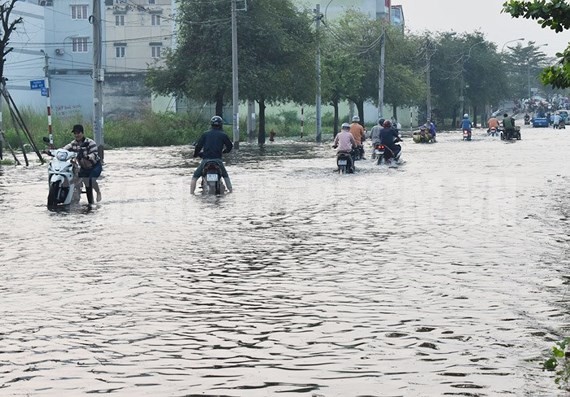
[
  {"x": 384, "y": 154},
  {"x": 64, "y": 184},
  {"x": 466, "y": 135},
  {"x": 212, "y": 178},
  {"x": 515, "y": 135},
  {"x": 345, "y": 163},
  {"x": 493, "y": 131},
  {"x": 526, "y": 119}
]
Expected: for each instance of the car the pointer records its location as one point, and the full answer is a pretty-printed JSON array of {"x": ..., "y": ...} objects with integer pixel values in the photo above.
[{"x": 539, "y": 122}]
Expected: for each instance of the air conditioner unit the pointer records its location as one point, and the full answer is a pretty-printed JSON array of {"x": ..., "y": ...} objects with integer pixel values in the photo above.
[{"x": 59, "y": 51}]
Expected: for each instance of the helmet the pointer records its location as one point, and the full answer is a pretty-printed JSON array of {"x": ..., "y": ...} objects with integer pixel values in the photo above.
[
  {"x": 380, "y": 121},
  {"x": 356, "y": 119},
  {"x": 387, "y": 124},
  {"x": 465, "y": 116},
  {"x": 216, "y": 121},
  {"x": 345, "y": 126}
]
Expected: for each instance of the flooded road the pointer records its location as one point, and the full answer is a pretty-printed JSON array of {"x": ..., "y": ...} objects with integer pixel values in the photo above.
[{"x": 446, "y": 276}]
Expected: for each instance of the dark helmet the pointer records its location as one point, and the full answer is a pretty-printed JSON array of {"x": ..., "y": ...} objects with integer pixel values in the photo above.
[
  {"x": 381, "y": 122},
  {"x": 216, "y": 121},
  {"x": 387, "y": 124}
]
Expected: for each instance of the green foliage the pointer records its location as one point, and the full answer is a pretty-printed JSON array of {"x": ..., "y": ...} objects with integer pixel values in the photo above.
[
  {"x": 553, "y": 14},
  {"x": 560, "y": 363},
  {"x": 152, "y": 129}
]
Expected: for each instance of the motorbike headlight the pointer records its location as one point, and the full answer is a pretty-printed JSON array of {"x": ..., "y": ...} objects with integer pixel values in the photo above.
[{"x": 61, "y": 156}]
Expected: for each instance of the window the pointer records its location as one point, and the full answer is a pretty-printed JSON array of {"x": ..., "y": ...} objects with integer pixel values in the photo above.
[
  {"x": 119, "y": 20},
  {"x": 120, "y": 51},
  {"x": 155, "y": 20},
  {"x": 79, "y": 44},
  {"x": 151, "y": 2},
  {"x": 155, "y": 51},
  {"x": 79, "y": 11}
]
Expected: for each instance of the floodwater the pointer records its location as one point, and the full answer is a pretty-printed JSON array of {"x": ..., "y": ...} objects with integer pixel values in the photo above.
[{"x": 446, "y": 276}]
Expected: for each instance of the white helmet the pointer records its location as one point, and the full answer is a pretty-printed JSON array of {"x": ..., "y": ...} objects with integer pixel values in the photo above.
[
  {"x": 345, "y": 126},
  {"x": 356, "y": 119},
  {"x": 465, "y": 116}
]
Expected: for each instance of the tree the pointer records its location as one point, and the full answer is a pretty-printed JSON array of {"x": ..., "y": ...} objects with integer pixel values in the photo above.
[
  {"x": 275, "y": 47},
  {"x": 554, "y": 14},
  {"x": 8, "y": 26}
]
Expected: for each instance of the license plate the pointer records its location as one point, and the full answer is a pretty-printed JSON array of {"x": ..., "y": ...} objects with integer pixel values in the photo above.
[
  {"x": 212, "y": 177},
  {"x": 378, "y": 151},
  {"x": 342, "y": 162}
]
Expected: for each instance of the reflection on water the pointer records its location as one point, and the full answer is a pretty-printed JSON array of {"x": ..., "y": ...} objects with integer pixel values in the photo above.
[{"x": 444, "y": 276}]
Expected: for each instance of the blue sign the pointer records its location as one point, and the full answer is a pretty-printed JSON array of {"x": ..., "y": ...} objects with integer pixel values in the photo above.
[
  {"x": 37, "y": 84},
  {"x": 44, "y": 91}
]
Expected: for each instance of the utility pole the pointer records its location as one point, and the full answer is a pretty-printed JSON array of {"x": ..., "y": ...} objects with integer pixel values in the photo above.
[
  {"x": 235, "y": 85},
  {"x": 428, "y": 80},
  {"x": 98, "y": 78},
  {"x": 48, "y": 95},
  {"x": 318, "y": 17},
  {"x": 381, "y": 74}
]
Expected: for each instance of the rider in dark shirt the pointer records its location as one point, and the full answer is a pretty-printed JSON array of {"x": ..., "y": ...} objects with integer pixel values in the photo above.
[
  {"x": 213, "y": 142},
  {"x": 389, "y": 136}
]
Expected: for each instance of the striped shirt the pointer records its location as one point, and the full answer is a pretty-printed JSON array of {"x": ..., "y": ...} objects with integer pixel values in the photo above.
[{"x": 91, "y": 152}]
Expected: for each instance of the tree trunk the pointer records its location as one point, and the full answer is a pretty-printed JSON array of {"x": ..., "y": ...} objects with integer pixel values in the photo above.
[
  {"x": 360, "y": 108},
  {"x": 395, "y": 112},
  {"x": 220, "y": 104},
  {"x": 335, "y": 120},
  {"x": 474, "y": 116},
  {"x": 261, "y": 134}
]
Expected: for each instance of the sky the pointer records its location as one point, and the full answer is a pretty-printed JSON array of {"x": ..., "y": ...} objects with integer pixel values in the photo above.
[{"x": 483, "y": 15}]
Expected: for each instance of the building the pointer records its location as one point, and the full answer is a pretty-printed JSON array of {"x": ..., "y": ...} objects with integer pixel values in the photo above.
[
  {"x": 135, "y": 34},
  {"x": 26, "y": 61},
  {"x": 138, "y": 32}
]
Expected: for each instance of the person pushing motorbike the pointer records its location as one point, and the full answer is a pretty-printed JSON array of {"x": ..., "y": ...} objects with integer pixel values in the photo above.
[
  {"x": 88, "y": 160},
  {"x": 213, "y": 142}
]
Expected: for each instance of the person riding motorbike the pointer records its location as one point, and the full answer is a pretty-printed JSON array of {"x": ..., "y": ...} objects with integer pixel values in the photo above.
[
  {"x": 375, "y": 134},
  {"x": 466, "y": 123},
  {"x": 432, "y": 129},
  {"x": 214, "y": 142},
  {"x": 389, "y": 137},
  {"x": 509, "y": 126},
  {"x": 493, "y": 124},
  {"x": 357, "y": 131},
  {"x": 345, "y": 143}
]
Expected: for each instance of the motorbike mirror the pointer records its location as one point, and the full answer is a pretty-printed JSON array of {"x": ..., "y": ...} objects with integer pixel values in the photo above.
[{"x": 45, "y": 139}]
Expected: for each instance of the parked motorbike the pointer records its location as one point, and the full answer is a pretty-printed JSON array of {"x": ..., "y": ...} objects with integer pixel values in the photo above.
[
  {"x": 212, "y": 179},
  {"x": 64, "y": 184},
  {"x": 345, "y": 163},
  {"x": 466, "y": 135}
]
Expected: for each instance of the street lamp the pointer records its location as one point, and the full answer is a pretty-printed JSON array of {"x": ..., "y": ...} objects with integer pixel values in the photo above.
[
  {"x": 463, "y": 60},
  {"x": 510, "y": 41},
  {"x": 528, "y": 68}
]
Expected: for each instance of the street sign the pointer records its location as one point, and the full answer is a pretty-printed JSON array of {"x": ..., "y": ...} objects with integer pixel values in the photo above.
[
  {"x": 37, "y": 84},
  {"x": 44, "y": 91}
]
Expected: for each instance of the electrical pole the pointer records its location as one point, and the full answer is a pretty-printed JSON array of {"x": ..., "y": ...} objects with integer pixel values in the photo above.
[
  {"x": 428, "y": 80},
  {"x": 48, "y": 96},
  {"x": 235, "y": 85},
  {"x": 318, "y": 17},
  {"x": 381, "y": 74},
  {"x": 98, "y": 78}
]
